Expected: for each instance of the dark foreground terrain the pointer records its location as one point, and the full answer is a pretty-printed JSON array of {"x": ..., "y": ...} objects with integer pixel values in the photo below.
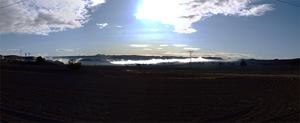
[{"x": 54, "y": 93}]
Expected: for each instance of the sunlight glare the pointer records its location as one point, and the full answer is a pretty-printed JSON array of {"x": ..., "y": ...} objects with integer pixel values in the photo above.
[{"x": 167, "y": 11}]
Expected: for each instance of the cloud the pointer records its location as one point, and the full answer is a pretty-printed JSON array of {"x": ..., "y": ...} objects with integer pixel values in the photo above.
[
  {"x": 43, "y": 54},
  {"x": 212, "y": 54},
  {"x": 147, "y": 49},
  {"x": 183, "y": 13},
  {"x": 65, "y": 50},
  {"x": 101, "y": 25},
  {"x": 119, "y": 26},
  {"x": 154, "y": 30},
  {"x": 44, "y": 16},
  {"x": 96, "y": 2},
  {"x": 180, "y": 45},
  {"x": 234, "y": 55},
  {"x": 9, "y": 50},
  {"x": 164, "y": 45},
  {"x": 176, "y": 54},
  {"x": 225, "y": 54},
  {"x": 139, "y": 45},
  {"x": 189, "y": 48},
  {"x": 258, "y": 10},
  {"x": 159, "y": 48}
]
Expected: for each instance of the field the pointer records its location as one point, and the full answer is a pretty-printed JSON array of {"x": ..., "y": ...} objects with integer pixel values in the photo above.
[{"x": 110, "y": 94}]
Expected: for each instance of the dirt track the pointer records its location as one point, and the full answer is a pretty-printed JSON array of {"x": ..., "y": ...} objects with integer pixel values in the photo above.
[{"x": 106, "y": 94}]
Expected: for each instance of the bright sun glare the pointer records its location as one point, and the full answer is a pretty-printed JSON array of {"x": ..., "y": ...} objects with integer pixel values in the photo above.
[{"x": 167, "y": 11}]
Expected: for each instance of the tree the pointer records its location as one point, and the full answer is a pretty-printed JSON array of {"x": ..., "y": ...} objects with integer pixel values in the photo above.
[
  {"x": 40, "y": 60},
  {"x": 243, "y": 63}
]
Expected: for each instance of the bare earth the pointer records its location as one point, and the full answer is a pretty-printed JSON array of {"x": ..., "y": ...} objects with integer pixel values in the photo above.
[{"x": 54, "y": 93}]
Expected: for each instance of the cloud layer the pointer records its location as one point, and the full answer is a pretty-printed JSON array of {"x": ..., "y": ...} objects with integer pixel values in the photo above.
[
  {"x": 190, "y": 48},
  {"x": 212, "y": 54},
  {"x": 182, "y": 13},
  {"x": 44, "y": 16},
  {"x": 180, "y": 45},
  {"x": 65, "y": 50},
  {"x": 139, "y": 45}
]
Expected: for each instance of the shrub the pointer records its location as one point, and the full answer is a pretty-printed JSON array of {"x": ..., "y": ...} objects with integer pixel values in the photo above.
[
  {"x": 40, "y": 60},
  {"x": 243, "y": 63}
]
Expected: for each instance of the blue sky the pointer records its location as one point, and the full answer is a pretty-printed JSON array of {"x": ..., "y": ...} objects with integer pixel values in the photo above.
[{"x": 264, "y": 29}]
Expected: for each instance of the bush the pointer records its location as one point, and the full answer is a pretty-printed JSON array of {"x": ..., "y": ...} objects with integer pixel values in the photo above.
[
  {"x": 40, "y": 60},
  {"x": 73, "y": 65},
  {"x": 243, "y": 63}
]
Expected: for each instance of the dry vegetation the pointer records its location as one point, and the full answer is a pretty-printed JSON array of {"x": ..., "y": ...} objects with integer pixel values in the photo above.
[{"x": 55, "y": 93}]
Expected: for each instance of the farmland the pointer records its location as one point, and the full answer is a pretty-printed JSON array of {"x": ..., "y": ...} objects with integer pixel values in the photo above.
[{"x": 55, "y": 93}]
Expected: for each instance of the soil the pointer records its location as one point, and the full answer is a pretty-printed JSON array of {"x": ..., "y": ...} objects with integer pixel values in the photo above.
[{"x": 111, "y": 94}]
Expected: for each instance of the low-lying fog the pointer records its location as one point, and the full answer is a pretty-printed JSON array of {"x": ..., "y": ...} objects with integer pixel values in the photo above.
[{"x": 97, "y": 61}]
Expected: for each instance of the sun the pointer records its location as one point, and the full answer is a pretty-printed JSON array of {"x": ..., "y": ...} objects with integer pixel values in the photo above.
[{"x": 167, "y": 12}]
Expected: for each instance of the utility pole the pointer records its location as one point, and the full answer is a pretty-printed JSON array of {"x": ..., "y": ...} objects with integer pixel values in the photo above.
[{"x": 190, "y": 58}]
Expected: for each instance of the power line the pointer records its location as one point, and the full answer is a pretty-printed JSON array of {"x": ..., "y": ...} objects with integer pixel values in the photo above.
[
  {"x": 12, "y": 4},
  {"x": 289, "y": 2},
  {"x": 293, "y": 1}
]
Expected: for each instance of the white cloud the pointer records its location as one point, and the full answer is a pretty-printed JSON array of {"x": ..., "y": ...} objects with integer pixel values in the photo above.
[
  {"x": 189, "y": 48},
  {"x": 147, "y": 49},
  {"x": 180, "y": 45},
  {"x": 212, "y": 54},
  {"x": 101, "y": 25},
  {"x": 97, "y": 2},
  {"x": 234, "y": 55},
  {"x": 44, "y": 16},
  {"x": 119, "y": 26},
  {"x": 223, "y": 54},
  {"x": 139, "y": 45},
  {"x": 258, "y": 10},
  {"x": 159, "y": 48},
  {"x": 65, "y": 50},
  {"x": 164, "y": 45},
  {"x": 43, "y": 55},
  {"x": 182, "y": 13},
  {"x": 9, "y": 50},
  {"x": 154, "y": 30}
]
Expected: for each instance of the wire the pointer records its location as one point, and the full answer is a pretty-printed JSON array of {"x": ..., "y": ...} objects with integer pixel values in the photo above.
[
  {"x": 289, "y": 2},
  {"x": 12, "y": 4},
  {"x": 293, "y": 1}
]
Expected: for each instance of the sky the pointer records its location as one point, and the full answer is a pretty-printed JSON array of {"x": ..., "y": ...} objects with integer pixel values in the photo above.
[{"x": 262, "y": 29}]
